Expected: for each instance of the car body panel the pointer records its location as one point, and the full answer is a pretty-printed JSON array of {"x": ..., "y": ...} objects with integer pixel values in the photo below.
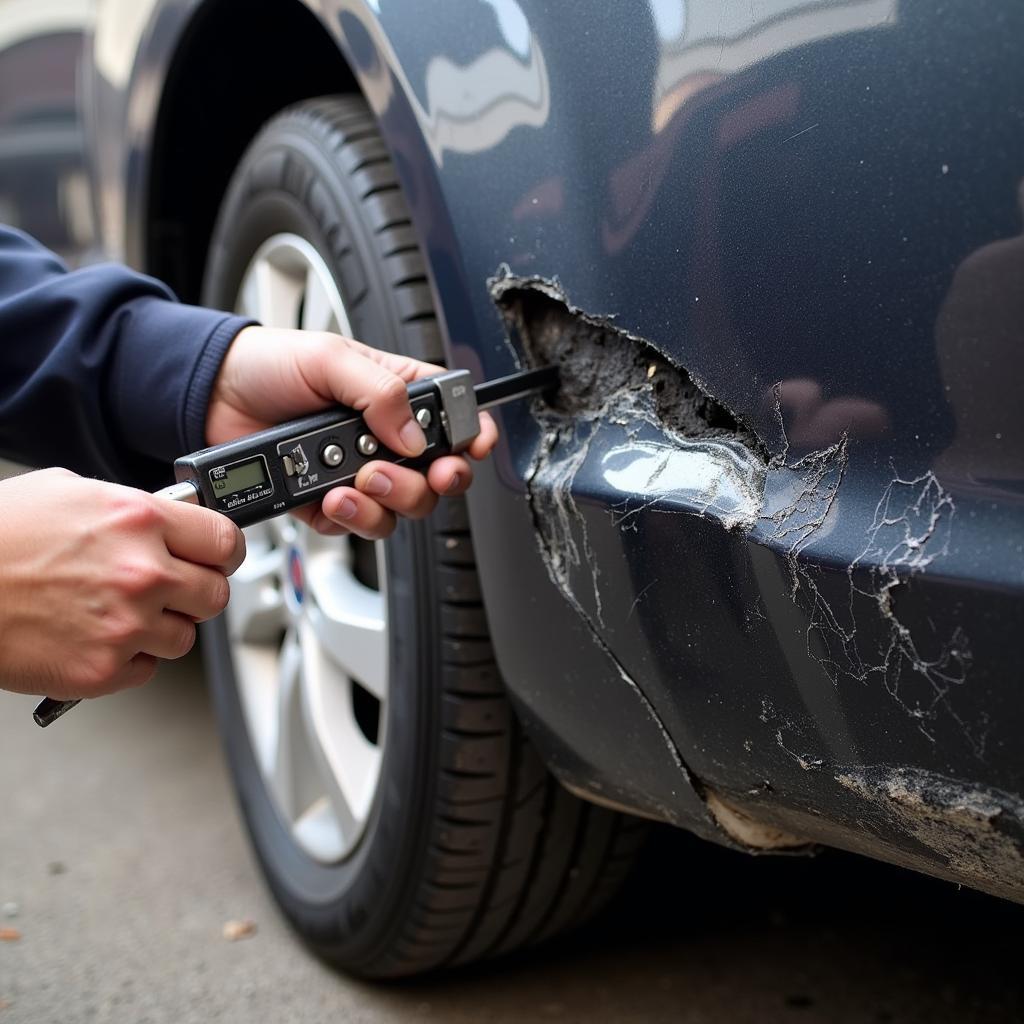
[
  {"x": 814, "y": 211},
  {"x": 801, "y": 193}
]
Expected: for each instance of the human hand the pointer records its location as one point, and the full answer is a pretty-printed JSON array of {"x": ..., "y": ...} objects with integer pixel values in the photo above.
[
  {"x": 98, "y": 581},
  {"x": 271, "y": 375}
]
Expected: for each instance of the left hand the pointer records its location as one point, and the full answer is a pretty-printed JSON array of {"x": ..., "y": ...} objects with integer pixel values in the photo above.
[{"x": 271, "y": 375}]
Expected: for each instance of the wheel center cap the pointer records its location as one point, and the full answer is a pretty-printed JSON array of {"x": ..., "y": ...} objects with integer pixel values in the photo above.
[{"x": 296, "y": 576}]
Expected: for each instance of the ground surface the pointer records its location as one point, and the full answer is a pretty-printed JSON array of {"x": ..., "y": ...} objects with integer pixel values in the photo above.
[{"x": 122, "y": 856}]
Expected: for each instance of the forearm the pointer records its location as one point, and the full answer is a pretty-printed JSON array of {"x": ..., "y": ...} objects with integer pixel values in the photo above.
[{"x": 101, "y": 371}]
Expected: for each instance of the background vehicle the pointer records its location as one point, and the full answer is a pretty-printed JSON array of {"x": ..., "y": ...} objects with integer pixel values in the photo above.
[{"x": 757, "y": 574}]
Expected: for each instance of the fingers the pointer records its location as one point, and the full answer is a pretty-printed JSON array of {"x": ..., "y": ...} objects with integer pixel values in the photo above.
[
  {"x": 402, "y": 490},
  {"x": 172, "y": 636},
  {"x": 484, "y": 442},
  {"x": 199, "y": 593},
  {"x": 202, "y": 536},
  {"x": 383, "y": 491},
  {"x": 139, "y": 670},
  {"x": 314, "y": 517},
  {"x": 375, "y": 383},
  {"x": 449, "y": 476},
  {"x": 374, "y": 388},
  {"x": 405, "y": 367},
  {"x": 358, "y": 514}
]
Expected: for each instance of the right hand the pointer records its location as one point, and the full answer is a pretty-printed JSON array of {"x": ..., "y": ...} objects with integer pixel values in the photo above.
[{"x": 98, "y": 581}]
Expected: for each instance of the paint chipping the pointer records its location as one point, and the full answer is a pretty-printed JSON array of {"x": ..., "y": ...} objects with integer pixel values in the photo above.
[
  {"x": 608, "y": 373},
  {"x": 754, "y": 835},
  {"x": 976, "y": 833},
  {"x": 806, "y": 762},
  {"x": 669, "y": 446}
]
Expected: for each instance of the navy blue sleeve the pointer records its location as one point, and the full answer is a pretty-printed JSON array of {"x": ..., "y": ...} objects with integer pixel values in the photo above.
[{"x": 101, "y": 370}]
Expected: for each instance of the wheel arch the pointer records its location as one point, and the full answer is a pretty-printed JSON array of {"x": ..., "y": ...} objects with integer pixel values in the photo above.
[{"x": 224, "y": 78}]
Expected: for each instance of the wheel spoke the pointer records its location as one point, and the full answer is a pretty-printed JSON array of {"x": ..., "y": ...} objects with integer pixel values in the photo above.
[
  {"x": 306, "y": 700},
  {"x": 317, "y": 829},
  {"x": 256, "y": 612},
  {"x": 278, "y": 295},
  {"x": 248, "y": 303},
  {"x": 318, "y": 314},
  {"x": 349, "y": 764},
  {"x": 349, "y": 620},
  {"x": 284, "y": 742}
]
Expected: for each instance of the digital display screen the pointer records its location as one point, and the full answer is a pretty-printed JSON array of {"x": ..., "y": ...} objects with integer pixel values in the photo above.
[{"x": 241, "y": 478}]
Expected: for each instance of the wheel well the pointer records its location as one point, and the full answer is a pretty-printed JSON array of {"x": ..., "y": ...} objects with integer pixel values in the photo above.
[{"x": 231, "y": 72}]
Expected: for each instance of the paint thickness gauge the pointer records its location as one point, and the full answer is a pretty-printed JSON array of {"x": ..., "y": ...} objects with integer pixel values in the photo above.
[{"x": 267, "y": 474}]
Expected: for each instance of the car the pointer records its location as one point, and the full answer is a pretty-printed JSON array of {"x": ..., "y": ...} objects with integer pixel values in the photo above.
[{"x": 755, "y": 570}]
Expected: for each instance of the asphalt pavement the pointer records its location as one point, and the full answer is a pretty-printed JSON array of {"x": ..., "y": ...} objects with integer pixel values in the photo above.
[{"x": 122, "y": 857}]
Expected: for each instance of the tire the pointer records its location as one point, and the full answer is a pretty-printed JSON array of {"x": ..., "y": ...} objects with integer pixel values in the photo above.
[{"x": 470, "y": 848}]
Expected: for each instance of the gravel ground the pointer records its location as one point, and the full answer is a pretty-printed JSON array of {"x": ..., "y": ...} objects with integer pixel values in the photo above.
[{"x": 122, "y": 857}]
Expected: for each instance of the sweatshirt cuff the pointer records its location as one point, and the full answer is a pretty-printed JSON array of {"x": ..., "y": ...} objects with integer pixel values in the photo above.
[
  {"x": 161, "y": 389},
  {"x": 204, "y": 373}
]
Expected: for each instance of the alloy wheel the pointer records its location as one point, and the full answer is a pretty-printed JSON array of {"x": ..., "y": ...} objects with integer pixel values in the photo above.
[{"x": 307, "y": 618}]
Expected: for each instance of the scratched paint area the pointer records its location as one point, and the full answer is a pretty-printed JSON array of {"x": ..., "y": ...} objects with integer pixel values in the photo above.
[
  {"x": 664, "y": 445},
  {"x": 861, "y": 637},
  {"x": 976, "y": 832}
]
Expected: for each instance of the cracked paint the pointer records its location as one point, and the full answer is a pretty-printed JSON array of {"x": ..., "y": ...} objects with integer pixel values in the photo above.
[{"x": 862, "y": 637}]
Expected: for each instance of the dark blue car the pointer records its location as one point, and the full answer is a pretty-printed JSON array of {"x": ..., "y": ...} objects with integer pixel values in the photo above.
[{"x": 756, "y": 571}]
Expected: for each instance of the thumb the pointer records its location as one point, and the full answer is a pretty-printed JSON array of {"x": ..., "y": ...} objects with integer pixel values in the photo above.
[{"x": 378, "y": 393}]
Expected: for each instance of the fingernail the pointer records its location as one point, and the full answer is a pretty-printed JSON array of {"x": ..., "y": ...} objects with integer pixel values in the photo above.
[
  {"x": 346, "y": 510},
  {"x": 453, "y": 484},
  {"x": 413, "y": 438},
  {"x": 378, "y": 485}
]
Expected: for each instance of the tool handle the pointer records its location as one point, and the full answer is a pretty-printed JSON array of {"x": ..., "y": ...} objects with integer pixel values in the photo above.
[{"x": 49, "y": 710}]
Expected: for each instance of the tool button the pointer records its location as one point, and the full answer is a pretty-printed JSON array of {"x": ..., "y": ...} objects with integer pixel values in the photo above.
[
  {"x": 300, "y": 460},
  {"x": 367, "y": 445},
  {"x": 424, "y": 417},
  {"x": 332, "y": 455}
]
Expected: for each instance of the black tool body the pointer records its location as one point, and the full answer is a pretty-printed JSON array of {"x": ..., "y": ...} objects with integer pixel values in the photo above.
[
  {"x": 269, "y": 473},
  {"x": 263, "y": 475}
]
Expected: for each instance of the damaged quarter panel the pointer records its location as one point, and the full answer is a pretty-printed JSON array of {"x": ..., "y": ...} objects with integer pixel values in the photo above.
[{"x": 766, "y": 550}]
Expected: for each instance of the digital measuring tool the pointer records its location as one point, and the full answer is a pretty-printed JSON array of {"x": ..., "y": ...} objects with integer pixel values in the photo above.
[{"x": 264, "y": 475}]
